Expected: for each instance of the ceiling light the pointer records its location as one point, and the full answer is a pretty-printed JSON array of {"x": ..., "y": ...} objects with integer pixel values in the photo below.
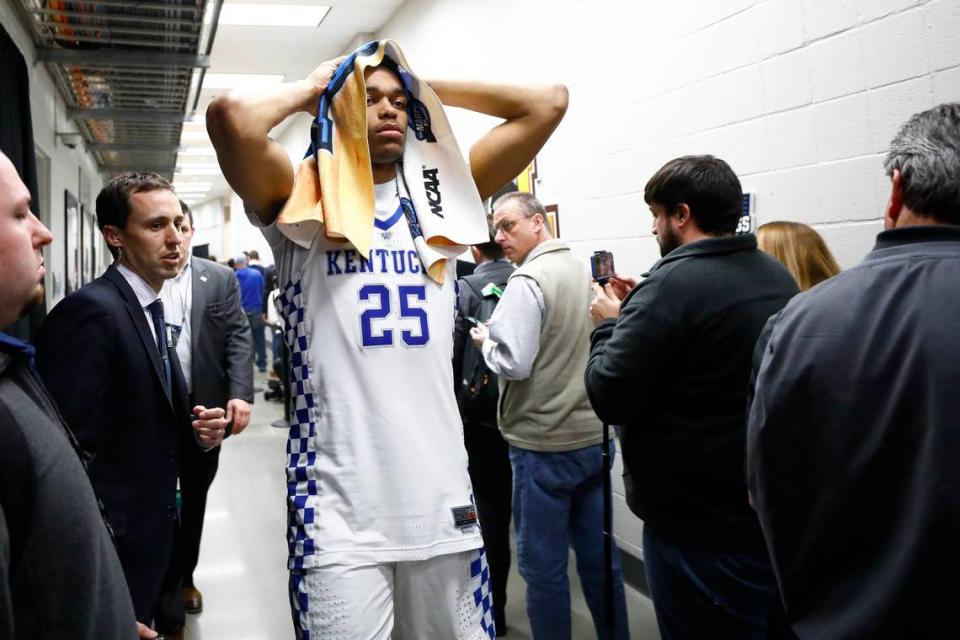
[{"x": 272, "y": 15}]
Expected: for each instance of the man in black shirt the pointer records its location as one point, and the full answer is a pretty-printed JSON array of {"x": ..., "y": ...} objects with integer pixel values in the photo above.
[
  {"x": 671, "y": 367},
  {"x": 853, "y": 436}
]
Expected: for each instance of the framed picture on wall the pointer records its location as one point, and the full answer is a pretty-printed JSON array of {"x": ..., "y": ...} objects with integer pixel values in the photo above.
[
  {"x": 71, "y": 241},
  {"x": 553, "y": 219},
  {"x": 88, "y": 245}
]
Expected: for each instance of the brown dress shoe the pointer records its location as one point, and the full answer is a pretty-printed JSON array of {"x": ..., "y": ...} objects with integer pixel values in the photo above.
[{"x": 192, "y": 600}]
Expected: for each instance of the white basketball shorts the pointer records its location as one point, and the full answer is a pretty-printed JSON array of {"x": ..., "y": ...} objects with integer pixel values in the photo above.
[{"x": 443, "y": 598}]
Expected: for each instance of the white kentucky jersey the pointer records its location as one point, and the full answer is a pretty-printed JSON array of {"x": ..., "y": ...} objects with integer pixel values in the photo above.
[{"x": 376, "y": 466}]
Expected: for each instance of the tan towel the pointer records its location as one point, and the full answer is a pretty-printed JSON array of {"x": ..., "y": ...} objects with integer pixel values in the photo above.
[{"x": 333, "y": 186}]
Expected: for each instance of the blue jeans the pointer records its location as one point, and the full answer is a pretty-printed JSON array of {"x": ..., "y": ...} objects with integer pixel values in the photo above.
[
  {"x": 699, "y": 593},
  {"x": 259, "y": 339},
  {"x": 558, "y": 501}
]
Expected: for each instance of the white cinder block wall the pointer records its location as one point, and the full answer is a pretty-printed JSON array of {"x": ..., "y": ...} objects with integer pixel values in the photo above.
[{"x": 800, "y": 96}]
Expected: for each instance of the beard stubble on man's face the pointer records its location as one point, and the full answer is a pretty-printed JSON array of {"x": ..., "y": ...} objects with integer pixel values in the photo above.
[
  {"x": 667, "y": 239},
  {"x": 35, "y": 301}
]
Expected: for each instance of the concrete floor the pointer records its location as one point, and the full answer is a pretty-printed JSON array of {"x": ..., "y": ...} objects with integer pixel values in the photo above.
[{"x": 242, "y": 571}]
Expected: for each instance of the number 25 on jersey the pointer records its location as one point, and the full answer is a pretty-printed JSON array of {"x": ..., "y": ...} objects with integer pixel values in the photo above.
[{"x": 374, "y": 321}]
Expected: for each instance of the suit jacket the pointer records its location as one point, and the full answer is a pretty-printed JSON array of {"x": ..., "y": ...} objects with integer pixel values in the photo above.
[
  {"x": 221, "y": 342},
  {"x": 98, "y": 357}
]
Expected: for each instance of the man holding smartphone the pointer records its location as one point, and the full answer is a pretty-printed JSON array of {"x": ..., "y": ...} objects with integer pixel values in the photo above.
[
  {"x": 555, "y": 438},
  {"x": 670, "y": 367}
]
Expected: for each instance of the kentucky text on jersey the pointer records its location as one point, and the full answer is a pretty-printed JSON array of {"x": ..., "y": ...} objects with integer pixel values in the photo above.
[{"x": 379, "y": 261}]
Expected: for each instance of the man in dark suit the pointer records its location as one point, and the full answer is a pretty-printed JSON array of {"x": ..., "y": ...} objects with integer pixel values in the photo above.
[
  {"x": 215, "y": 348},
  {"x": 107, "y": 361}
]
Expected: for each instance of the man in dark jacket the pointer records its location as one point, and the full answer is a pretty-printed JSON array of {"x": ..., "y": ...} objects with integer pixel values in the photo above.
[
  {"x": 107, "y": 360},
  {"x": 59, "y": 573},
  {"x": 487, "y": 452},
  {"x": 672, "y": 371},
  {"x": 853, "y": 435}
]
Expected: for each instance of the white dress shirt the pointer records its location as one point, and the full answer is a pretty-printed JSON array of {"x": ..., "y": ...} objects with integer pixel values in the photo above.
[
  {"x": 146, "y": 296},
  {"x": 515, "y": 325},
  {"x": 144, "y": 292},
  {"x": 177, "y": 296}
]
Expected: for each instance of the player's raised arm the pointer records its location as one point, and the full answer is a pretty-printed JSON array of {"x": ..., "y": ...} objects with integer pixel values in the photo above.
[
  {"x": 531, "y": 113},
  {"x": 256, "y": 167}
]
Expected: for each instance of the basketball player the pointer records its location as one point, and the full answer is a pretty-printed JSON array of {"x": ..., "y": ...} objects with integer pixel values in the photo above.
[{"x": 383, "y": 536}]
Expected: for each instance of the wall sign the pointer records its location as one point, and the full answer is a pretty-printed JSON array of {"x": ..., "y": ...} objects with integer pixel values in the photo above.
[{"x": 748, "y": 220}]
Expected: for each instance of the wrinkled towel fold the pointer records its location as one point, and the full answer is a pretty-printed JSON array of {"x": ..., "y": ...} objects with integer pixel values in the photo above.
[{"x": 333, "y": 186}]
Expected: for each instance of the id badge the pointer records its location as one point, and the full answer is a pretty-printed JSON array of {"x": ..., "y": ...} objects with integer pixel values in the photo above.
[{"x": 173, "y": 335}]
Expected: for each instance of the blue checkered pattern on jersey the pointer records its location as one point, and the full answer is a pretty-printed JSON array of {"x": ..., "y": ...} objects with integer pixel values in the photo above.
[
  {"x": 301, "y": 452},
  {"x": 481, "y": 595},
  {"x": 299, "y": 605}
]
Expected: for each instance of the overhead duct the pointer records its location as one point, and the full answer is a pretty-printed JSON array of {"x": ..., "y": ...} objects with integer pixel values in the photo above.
[{"x": 124, "y": 69}]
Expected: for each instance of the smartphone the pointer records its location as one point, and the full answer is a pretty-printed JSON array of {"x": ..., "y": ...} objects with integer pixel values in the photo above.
[
  {"x": 601, "y": 266},
  {"x": 471, "y": 320}
]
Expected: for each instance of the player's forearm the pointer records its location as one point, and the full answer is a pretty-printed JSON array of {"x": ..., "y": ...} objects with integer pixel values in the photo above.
[
  {"x": 256, "y": 167},
  {"x": 507, "y": 101},
  {"x": 530, "y": 114}
]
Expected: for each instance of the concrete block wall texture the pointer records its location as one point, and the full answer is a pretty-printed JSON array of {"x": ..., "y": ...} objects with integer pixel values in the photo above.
[{"x": 801, "y": 97}]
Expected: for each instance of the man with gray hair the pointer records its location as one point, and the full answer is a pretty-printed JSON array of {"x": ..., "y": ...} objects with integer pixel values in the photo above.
[
  {"x": 537, "y": 343},
  {"x": 853, "y": 438}
]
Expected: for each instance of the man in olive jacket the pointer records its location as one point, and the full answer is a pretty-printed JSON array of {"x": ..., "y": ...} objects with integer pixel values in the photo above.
[{"x": 672, "y": 370}]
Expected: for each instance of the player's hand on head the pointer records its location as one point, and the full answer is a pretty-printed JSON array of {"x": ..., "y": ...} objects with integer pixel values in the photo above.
[{"x": 318, "y": 80}]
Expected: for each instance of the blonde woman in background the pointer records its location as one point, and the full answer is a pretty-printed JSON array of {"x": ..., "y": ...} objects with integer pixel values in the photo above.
[{"x": 800, "y": 249}]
